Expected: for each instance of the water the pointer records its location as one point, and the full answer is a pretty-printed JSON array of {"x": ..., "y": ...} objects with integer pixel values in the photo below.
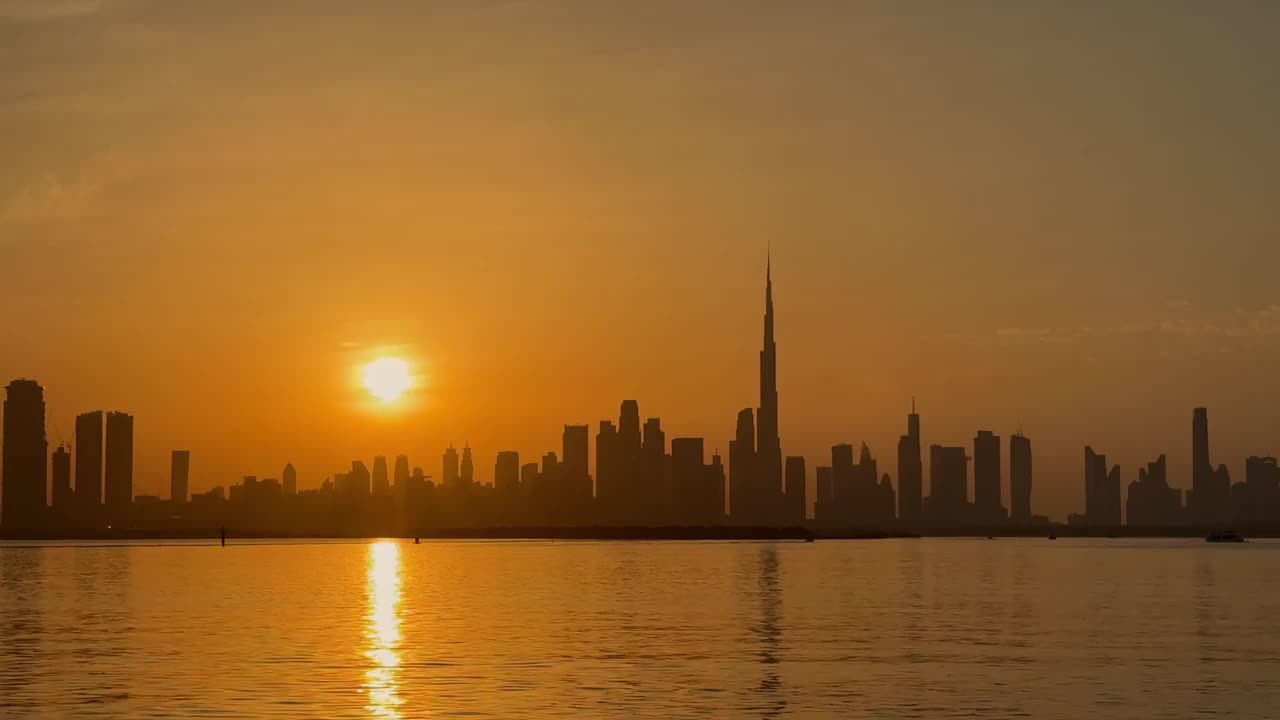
[{"x": 872, "y": 629}]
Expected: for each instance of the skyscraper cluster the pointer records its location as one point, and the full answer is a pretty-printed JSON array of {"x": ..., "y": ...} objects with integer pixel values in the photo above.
[{"x": 640, "y": 479}]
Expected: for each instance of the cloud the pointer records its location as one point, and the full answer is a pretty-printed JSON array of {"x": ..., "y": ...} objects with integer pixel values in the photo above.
[
  {"x": 48, "y": 198},
  {"x": 38, "y": 10}
]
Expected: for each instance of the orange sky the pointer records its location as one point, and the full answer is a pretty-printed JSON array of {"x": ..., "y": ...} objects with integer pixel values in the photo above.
[{"x": 1038, "y": 215}]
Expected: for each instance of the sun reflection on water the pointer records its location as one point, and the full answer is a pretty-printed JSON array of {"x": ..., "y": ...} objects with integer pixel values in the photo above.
[{"x": 383, "y": 632}]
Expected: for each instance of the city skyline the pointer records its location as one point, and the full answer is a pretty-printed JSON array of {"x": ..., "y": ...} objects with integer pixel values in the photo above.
[
  {"x": 638, "y": 479},
  {"x": 544, "y": 207}
]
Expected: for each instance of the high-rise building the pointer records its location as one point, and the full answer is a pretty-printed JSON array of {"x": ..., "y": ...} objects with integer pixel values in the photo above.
[
  {"x": 468, "y": 476},
  {"x": 1210, "y": 500},
  {"x": 1152, "y": 503},
  {"x": 450, "y": 475},
  {"x": 692, "y": 497},
  {"x": 1102, "y": 490},
  {"x": 742, "y": 466},
  {"x": 359, "y": 481},
  {"x": 25, "y": 462},
  {"x": 63, "y": 500},
  {"x": 179, "y": 469},
  {"x": 948, "y": 504},
  {"x": 1020, "y": 478},
  {"x": 608, "y": 472},
  {"x": 824, "y": 496},
  {"x": 380, "y": 482},
  {"x": 506, "y": 471},
  {"x": 796, "y": 501},
  {"x": 574, "y": 444},
  {"x": 88, "y": 451},
  {"x": 289, "y": 479},
  {"x": 910, "y": 472},
  {"x": 119, "y": 467},
  {"x": 768, "y": 445},
  {"x": 986, "y": 478},
  {"x": 400, "y": 479},
  {"x": 529, "y": 474}
]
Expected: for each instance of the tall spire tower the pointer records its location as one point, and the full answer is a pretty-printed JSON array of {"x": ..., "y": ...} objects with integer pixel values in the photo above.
[{"x": 768, "y": 446}]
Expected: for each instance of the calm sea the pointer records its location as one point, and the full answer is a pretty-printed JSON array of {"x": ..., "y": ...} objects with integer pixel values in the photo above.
[{"x": 857, "y": 629}]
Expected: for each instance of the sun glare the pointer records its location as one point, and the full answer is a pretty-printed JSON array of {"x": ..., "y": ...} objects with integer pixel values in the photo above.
[{"x": 387, "y": 378}]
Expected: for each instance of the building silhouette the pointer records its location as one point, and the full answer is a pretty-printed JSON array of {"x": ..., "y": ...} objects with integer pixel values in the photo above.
[
  {"x": 88, "y": 457},
  {"x": 179, "y": 469},
  {"x": 574, "y": 444},
  {"x": 796, "y": 505},
  {"x": 744, "y": 503},
  {"x": 380, "y": 481},
  {"x": 1151, "y": 502},
  {"x": 986, "y": 479},
  {"x": 449, "y": 476},
  {"x": 400, "y": 475},
  {"x": 910, "y": 473},
  {"x": 289, "y": 480},
  {"x": 506, "y": 472},
  {"x": 1210, "y": 499},
  {"x": 1020, "y": 479},
  {"x": 63, "y": 497},
  {"x": 119, "y": 468},
  {"x": 25, "y": 463},
  {"x": 468, "y": 472},
  {"x": 1101, "y": 492},
  {"x": 1256, "y": 501},
  {"x": 948, "y": 502},
  {"x": 768, "y": 475}
]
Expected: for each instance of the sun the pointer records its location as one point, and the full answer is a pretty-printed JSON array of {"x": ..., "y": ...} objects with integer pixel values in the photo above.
[{"x": 387, "y": 378}]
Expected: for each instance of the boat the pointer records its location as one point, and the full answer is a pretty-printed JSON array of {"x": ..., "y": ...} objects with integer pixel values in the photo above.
[{"x": 1224, "y": 536}]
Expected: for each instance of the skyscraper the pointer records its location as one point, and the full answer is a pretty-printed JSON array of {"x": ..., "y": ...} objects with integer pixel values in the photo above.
[
  {"x": 25, "y": 462},
  {"x": 88, "y": 450},
  {"x": 400, "y": 478},
  {"x": 1102, "y": 490},
  {"x": 450, "y": 475},
  {"x": 910, "y": 472},
  {"x": 119, "y": 467},
  {"x": 796, "y": 501},
  {"x": 692, "y": 500},
  {"x": 948, "y": 504},
  {"x": 179, "y": 467},
  {"x": 768, "y": 444},
  {"x": 742, "y": 466},
  {"x": 506, "y": 472},
  {"x": 574, "y": 444},
  {"x": 380, "y": 481},
  {"x": 63, "y": 500},
  {"x": 1210, "y": 491},
  {"x": 468, "y": 476},
  {"x": 986, "y": 478},
  {"x": 1020, "y": 478},
  {"x": 289, "y": 479}
]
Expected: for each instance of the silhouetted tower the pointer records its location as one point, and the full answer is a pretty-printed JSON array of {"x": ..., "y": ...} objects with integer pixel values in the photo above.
[
  {"x": 574, "y": 443},
  {"x": 179, "y": 470},
  {"x": 529, "y": 474},
  {"x": 1020, "y": 478},
  {"x": 986, "y": 478},
  {"x": 629, "y": 427},
  {"x": 88, "y": 451},
  {"x": 506, "y": 472},
  {"x": 400, "y": 476},
  {"x": 608, "y": 477},
  {"x": 25, "y": 462},
  {"x": 692, "y": 498},
  {"x": 910, "y": 472},
  {"x": 948, "y": 485},
  {"x": 380, "y": 481},
  {"x": 1210, "y": 490},
  {"x": 796, "y": 501},
  {"x": 63, "y": 500},
  {"x": 450, "y": 476},
  {"x": 742, "y": 469},
  {"x": 1102, "y": 490},
  {"x": 768, "y": 445},
  {"x": 289, "y": 477},
  {"x": 119, "y": 467},
  {"x": 359, "y": 480},
  {"x": 717, "y": 474},
  {"x": 468, "y": 475}
]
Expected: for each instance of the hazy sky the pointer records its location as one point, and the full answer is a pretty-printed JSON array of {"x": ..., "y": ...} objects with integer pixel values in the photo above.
[{"x": 1059, "y": 216}]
